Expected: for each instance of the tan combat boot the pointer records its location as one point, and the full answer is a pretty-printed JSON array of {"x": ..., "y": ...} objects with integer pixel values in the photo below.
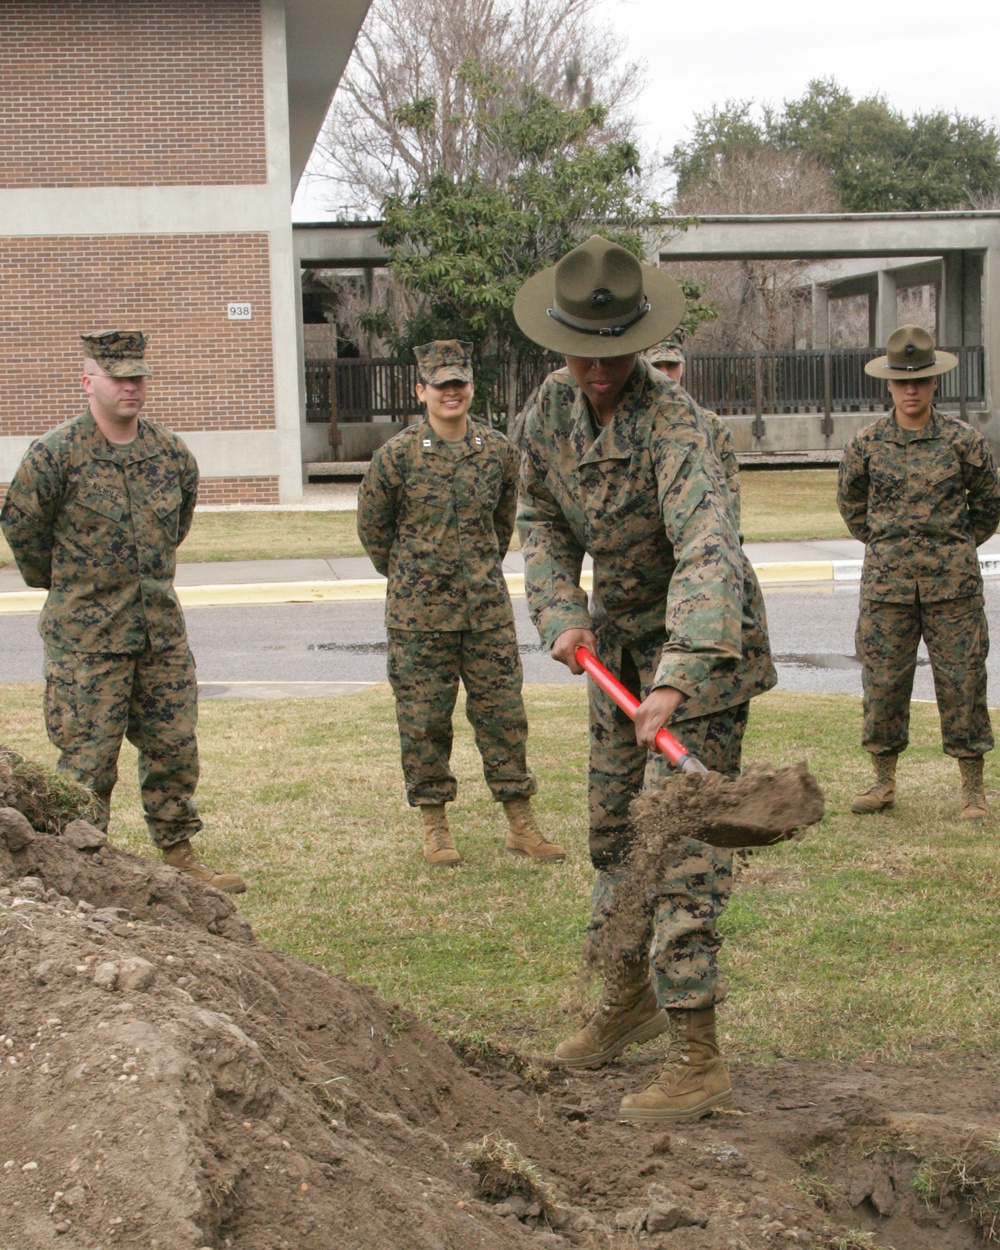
[
  {"x": 973, "y": 794},
  {"x": 181, "y": 857},
  {"x": 626, "y": 1014},
  {"x": 524, "y": 836},
  {"x": 882, "y": 794},
  {"x": 439, "y": 850},
  {"x": 694, "y": 1081}
]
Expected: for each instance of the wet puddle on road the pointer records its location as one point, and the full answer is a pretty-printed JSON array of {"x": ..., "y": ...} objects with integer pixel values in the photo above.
[{"x": 825, "y": 659}]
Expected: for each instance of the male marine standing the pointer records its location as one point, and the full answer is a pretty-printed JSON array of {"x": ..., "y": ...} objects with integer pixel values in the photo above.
[
  {"x": 618, "y": 462},
  {"x": 94, "y": 515},
  {"x": 920, "y": 490}
]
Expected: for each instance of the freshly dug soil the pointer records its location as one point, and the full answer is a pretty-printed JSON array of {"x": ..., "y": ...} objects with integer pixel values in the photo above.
[
  {"x": 167, "y": 1081},
  {"x": 762, "y": 806}
]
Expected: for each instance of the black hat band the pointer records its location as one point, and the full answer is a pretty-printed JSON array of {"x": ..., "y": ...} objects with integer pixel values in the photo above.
[{"x": 605, "y": 331}]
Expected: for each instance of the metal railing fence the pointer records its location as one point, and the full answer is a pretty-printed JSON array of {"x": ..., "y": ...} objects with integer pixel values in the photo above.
[{"x": 731, "y": 383}]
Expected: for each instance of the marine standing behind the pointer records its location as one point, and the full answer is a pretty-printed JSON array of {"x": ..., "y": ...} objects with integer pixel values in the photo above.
[
  {"x": 94, "y": 515},
  {"x": 920, "y": 490},
  {"x": 668, "y": 358},
  {"x": 436, "y": 513}
]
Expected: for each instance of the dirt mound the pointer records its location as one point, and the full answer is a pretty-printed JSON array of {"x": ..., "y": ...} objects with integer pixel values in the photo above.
[{"x": 166, "y": 1080}]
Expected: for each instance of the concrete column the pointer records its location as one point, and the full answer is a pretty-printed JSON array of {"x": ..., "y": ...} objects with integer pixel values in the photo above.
[
  {"x": 885, "y": 313},
  {"x": 820, "y": 315},
  {"x": 951, "y": 307},
  {"x": 286, "y": 295},
  {"x": 872, "y": 296},
  {"x": 991, "y": 327},
  {"x": 972, "y": 302}
]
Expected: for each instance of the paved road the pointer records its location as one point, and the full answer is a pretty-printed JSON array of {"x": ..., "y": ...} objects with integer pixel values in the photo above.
[{"x": 332, "y": 648}]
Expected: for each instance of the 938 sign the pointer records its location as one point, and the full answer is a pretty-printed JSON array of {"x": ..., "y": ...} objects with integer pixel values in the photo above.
[{"x": 238, "y": 310}]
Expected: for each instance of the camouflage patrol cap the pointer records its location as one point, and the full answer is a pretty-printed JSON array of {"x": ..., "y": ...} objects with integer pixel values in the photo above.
[
  {"x": 667, "y": 352},
  {"x": 444, "y": 360},
  {"x": 118, "y": 352}
]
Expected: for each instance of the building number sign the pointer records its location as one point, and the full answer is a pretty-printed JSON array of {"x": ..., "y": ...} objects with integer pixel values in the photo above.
[{"x": 238, "y": 310}]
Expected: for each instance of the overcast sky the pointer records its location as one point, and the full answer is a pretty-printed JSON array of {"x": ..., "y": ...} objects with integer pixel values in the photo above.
[
  {"x": 696, "y": 53},
  {"x": 922, "y": 57}
]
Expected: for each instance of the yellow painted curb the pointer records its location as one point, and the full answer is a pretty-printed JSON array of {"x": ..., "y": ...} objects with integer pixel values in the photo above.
[
  {"x": 806, "y": 571},
  {"x": 280, "y": 592},
  {"x": 22, "y": 600}
]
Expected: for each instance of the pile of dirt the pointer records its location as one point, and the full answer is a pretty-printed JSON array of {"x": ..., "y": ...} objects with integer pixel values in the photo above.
[{"x": 166, "y": 1080}]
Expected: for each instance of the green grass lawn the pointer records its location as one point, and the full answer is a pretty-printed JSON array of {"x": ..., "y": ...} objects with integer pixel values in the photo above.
[
  {"x": 872, "y": 938},
  {"x": 787, "y": 504},
  {"x": 790, "y": 504}
]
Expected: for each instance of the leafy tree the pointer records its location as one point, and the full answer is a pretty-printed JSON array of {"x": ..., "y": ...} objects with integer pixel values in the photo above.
[
  {"x": 878, "y": 159},
  {"x": 546, "y": 178}
]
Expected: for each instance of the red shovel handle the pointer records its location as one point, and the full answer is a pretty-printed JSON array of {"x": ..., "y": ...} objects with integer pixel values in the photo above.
[{"x": 674, "y": 750}]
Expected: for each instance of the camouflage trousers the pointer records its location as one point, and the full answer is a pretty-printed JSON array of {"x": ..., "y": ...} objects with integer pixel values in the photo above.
[
  {"x": 424, "y": 669},
  {"x": 682, "y": 941},
  {"x": 92, "y": 701},
  {"x": 958, "y": 643}
]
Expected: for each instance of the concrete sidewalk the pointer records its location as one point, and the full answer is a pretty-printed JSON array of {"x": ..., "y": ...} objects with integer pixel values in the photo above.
[{"x": 318, "y": 580}]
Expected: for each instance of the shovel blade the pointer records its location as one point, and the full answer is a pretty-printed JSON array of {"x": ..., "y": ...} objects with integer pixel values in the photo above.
[{"x": 762, "y": 806}]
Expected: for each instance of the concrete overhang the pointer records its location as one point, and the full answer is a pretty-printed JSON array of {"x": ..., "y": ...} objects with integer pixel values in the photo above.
[
  {"x": 828, "y": 236},
  {"x": 319, "y": 39},
  {"x": 831, "y": 235},
  {"x": 860, "y": 276},
  {"x": 338, "y": 245}
]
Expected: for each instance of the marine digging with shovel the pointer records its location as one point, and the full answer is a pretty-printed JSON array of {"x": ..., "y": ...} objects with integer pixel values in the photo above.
[{"x": 618, "y": 462}]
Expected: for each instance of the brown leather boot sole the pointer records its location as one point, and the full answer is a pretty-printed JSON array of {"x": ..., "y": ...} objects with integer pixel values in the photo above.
[{"x": 658, "y": 1115}]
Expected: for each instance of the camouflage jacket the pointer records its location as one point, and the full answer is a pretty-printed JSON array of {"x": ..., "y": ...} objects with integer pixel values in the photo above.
[
  {"x": 98, "y": 527},
  {"x": 725, "y": 450},
  {"x": 645, "y": 495},
  {"x": 921, "y": 505},
  {"x": 437, "y": 522}
]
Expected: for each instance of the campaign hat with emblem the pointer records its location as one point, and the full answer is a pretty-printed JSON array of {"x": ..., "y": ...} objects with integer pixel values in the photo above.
[
  {"x": 120, "y": 353},
  {"x": 910, "y": 354},
  {"x": 444, "y": 360},
  {"x": 599, "y": 301}
]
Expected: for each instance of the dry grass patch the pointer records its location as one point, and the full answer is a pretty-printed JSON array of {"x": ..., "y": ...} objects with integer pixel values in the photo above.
[
  {"x": 790, "y": 504},
  {"x": 270, "y": 536},
  {"x": 784, "y": 505},
  {"x": 865, "y": 940}
]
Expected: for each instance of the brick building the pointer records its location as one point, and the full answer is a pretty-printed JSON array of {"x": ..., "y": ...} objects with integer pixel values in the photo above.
[{"x": 149, "y": 157}]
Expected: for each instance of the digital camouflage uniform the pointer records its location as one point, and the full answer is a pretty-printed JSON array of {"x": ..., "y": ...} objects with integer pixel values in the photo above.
[
  {"x": 436, "y": 517},
  {"x": 722, "y": 437},
  {"x": 921, "y": 501},
  {"x": 675, "y": 603},
  {"x": 98, "y": 527}
]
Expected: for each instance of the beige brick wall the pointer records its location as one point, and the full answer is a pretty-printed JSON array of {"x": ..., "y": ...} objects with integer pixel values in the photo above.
[{"x": 116, "y": 93}]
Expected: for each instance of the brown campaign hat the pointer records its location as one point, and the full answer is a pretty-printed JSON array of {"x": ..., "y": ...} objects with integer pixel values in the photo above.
[
  {"x": 119, "y": 352},
  {"x": 599, "y": 301},
  {"x": 910, "y": 353},
  {"x": 444, "y": 360}
]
